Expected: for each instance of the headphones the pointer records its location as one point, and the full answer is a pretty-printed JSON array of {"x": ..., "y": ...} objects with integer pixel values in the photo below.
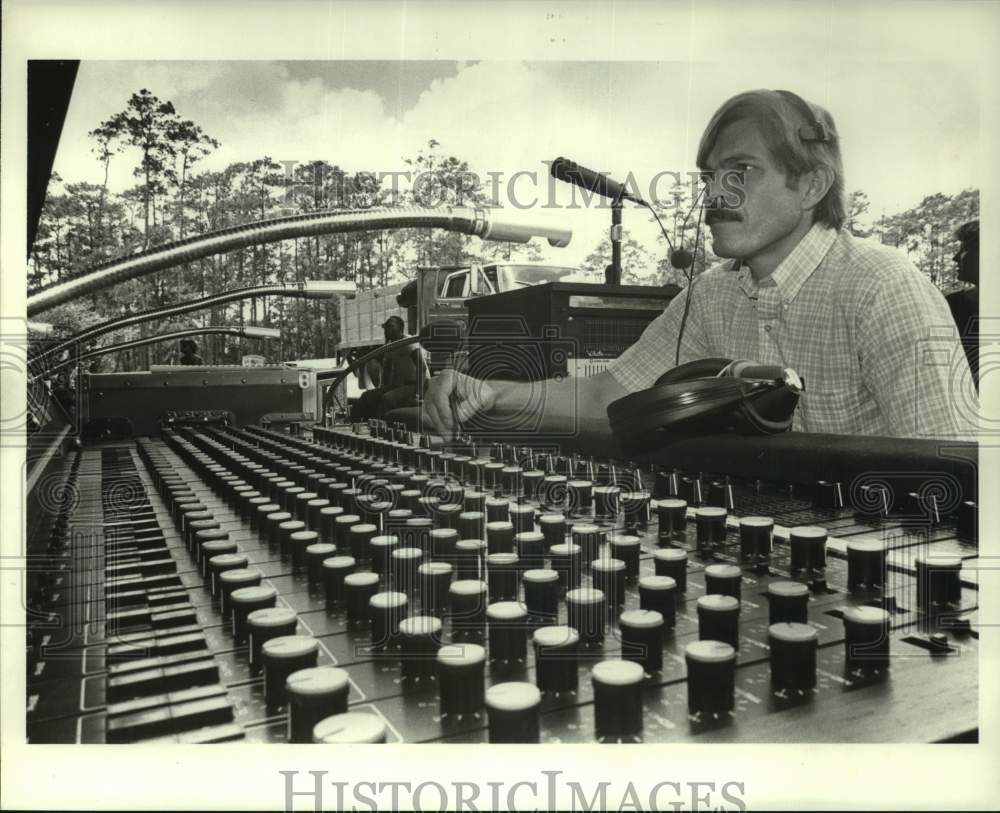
[
  {"x": 815, "y": 130},
  {"x": 707, "y": 396}
]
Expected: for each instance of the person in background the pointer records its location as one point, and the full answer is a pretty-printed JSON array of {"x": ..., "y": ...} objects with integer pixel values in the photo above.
[
  {"x": 400, "y": 377},
  {"x": 189, "y": 353},
  {"x": 964, "y": 304}
]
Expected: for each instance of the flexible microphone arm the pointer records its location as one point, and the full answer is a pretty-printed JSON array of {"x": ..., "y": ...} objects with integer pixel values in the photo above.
[
  {"x": 247, "y": 332},
  {"x": 309, "y": 289},
  {"x": 474, "y": 220}
]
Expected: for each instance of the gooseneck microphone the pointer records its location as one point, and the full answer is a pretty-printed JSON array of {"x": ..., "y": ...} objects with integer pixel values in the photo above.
[{"x": 565, "y": 170}]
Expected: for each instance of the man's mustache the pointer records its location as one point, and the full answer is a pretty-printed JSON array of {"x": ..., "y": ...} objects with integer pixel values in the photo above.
[{"x": 716, "y": 215}]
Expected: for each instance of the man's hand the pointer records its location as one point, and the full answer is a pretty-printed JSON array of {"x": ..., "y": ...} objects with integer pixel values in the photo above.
[{"x": 452, "y": 399}]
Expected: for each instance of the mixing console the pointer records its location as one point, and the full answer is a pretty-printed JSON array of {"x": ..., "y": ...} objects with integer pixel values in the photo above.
[{"x": 216, "y": 583}]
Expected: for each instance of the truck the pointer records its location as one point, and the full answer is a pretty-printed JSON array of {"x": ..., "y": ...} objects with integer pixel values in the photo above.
[{"x": 436, "y": 293}]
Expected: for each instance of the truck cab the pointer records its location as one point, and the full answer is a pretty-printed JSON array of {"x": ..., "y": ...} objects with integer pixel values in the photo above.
[{"x": 440, "y": 292}]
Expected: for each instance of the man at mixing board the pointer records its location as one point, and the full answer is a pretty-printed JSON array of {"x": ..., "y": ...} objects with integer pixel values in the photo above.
[{"x": 870, "y": 335}]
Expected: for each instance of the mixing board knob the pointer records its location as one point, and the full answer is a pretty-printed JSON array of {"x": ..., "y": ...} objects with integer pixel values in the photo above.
[
  {"x": 642, "y": 638},
  {"x": 793, "y": 655},
  {"x": 434, "y": 579},
  {"x": 939, "y": 582},
  {"x": 711, "y": 676},
  {"x": 474, "y": 502},
  {"x": 508, "y": 622},
  {"x": 720, "y": 495},
  {"x": 313, "y": 695},
  {"x": 405, "y": 566},
  {"x": 204, "y": 536},
  {"x": 354, "y": 727},
  {"x": 607, "y": 501},
  {"x": 316, "y": 554},
  {"x": 263, "y": 625},
  {"x": 541, "y": 593},
  {"x": 532, "y": 480},
  {"x": 922, "y": 507},
  {"x": 788, "y": 603},
  {"x": 342, "y": 524},
  {"x": 245, "y": 601},
  {"x": 588, "y": 537},
  {"x": 672, "y": 562},
  {"x": 381, "y": 548},
  {"x": 272, "y": 523},
  {"x": 659, "y": 593},
  {"x": 282, "y": 656},
  {"x": 511, "y": 479},
  {"x": 689, "y": 490},
  {"x": 867, "y": 565},
  {"x": 710, "y": 523},
  {"x": 502, "y": 576},
  {"x": 461, "y": 678},
  {"x": 586, "y": 608},
  {"x": 443, "y": 541},
  {"x": 828, "y": 495},
  {"x": 719, "y": 619},
  {"x": 808, "y": 549},
  {"x": 327, "y": 522},
  {"x": 212, "y": 548},
  {"x": 756, "y": 535},
  {"x": 627, "y": 549},
  {"x": 358, "y": 591},
  {"x": 500, "y": 537},
  {"x": 671, "y": 516},
  {"x": 968, "y": 521},
  {"x": 553, "y": 528},
  {"x": 386, "y": 612},
  {"x": 581, "y": 496},
  {"x": 471, "y": 524},
  {"x": 359, "y": 539},
  {"x": 552, "y": 491},
  {"x": 608, "y": 576},
  {"x": 335, "y": 570},
  {"x": 725, "y": 580},
  {"x": 420, "y": 640},
  {"x": 866, "y": 635},
  {"x": 300, "y": 542},
  {"x": 617, "y": 698},
  {"x": 191, "y": 535},
  {"x": 556, "y": 653},
  {"x": 567, "y": 561},
  {"x": 232, "y": 580},
  {"x": 530, "y": 549},
  {"x": 523, "y": 517},
  {"x": 497, "y": 510},
  {"x": 220, "y": 564},
  {"x": 468, "y": 598},
  {"x": 513, "y": 712}
]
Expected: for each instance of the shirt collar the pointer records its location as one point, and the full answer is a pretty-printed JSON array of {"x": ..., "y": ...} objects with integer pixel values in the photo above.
[{"x": 796, "y": 268}]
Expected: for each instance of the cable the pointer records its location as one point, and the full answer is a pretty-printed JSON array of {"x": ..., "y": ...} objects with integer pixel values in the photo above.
[{"x": 689, "y": 271}]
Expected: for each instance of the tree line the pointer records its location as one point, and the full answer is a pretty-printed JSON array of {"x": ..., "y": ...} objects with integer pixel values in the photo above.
[{"x": 86, "y": 224}]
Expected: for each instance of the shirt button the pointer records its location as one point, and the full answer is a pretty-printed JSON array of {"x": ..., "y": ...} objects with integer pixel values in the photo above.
[{"x": 767, "y": 328}]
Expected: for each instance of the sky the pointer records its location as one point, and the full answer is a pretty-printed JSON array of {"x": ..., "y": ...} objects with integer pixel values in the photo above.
[{"x": 909, "y": 125}]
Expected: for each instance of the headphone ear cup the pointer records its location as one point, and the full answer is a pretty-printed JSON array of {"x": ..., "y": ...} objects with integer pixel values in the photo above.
[
  {"x": 685, "y": 407},
  {"x": 700, "y": 368},
  {"x": 770, "y": 411}
]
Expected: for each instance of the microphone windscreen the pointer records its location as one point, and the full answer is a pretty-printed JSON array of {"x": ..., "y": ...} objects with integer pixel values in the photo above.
[{"x": 681, "y": 258}]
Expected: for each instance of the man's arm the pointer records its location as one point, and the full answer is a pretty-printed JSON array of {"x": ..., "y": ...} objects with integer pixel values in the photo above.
[{"x": 575, "y": 406}]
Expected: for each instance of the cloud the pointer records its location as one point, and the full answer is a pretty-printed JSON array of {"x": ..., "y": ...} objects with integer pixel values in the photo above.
[{"x": 908, "y": 128}]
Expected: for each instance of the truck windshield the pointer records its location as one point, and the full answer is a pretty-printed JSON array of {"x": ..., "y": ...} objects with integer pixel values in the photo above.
[{"x": 514, "y": 276}]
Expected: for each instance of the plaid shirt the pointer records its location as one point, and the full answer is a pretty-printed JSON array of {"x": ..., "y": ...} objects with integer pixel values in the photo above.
[{"x": 871, "y": 337}]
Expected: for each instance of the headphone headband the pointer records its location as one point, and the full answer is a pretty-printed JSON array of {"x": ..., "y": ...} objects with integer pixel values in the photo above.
[{"x": 815, "y": 130}]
